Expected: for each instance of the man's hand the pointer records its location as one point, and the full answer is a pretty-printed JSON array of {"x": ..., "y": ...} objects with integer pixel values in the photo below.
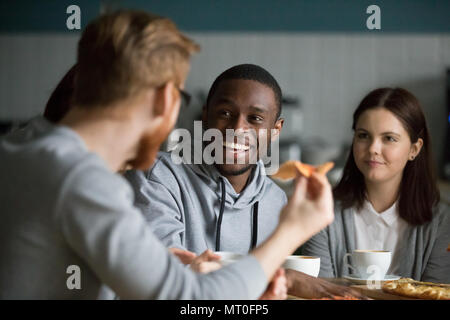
[
  {"x": 208, "y": 261},
  {"x": 309, "y": 210},
  {"x": 304, "y": 286},
  {"x": 204, "y": 263},
  {"x": 311, "y": 205},
  {"x": 277, "y": 288},
  {"x": 185, "y": 256}
]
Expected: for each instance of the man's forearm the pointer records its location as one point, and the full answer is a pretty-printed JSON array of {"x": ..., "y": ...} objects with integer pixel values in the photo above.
[{"x": 283, "y": 241}]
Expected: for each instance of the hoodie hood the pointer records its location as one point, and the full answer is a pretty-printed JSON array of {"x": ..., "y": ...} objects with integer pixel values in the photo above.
[{"x": 251, "y": 193}]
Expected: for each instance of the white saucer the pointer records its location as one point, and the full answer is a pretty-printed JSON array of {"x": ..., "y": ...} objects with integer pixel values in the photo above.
[{"x": 359, "y": 280}]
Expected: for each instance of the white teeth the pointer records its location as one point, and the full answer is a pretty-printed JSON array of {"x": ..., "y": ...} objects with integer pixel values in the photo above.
[{"x": 235, "y": 146}]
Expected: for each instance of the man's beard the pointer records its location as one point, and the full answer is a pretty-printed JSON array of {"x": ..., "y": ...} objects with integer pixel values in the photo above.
[
  {"x": 254, "y": 150},
  {"x": 235, "y": 172},
  {"x": 148, "y": 148}
]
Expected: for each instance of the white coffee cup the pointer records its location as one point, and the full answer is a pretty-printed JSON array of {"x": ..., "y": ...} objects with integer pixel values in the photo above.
[
  {"x": 369, "y": 263},
  {"x": 227, "y": 257},
  {"x": 306, "y": 264}
]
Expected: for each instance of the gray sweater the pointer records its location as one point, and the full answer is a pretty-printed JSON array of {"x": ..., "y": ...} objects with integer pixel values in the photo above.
[
  {"x": 61, "y": 206},
  {"x": 423, "y": 251},
  {"x": 182, "y": 203}
]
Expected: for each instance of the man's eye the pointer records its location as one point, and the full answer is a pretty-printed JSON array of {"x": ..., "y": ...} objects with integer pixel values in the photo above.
[
  {"x": 256, "y": 118},
  {"x": 225, "y": 113}
]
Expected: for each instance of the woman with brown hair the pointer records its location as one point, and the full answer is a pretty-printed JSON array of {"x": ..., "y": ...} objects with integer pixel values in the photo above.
[{"x": 387, "y": 198}]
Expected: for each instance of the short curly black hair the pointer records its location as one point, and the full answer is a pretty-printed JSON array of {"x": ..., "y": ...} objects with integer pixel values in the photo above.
[{"x": 249, "y": 72}]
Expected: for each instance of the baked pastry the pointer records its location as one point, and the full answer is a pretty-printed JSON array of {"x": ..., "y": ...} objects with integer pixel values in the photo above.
[{"x": 411, "y": 288}]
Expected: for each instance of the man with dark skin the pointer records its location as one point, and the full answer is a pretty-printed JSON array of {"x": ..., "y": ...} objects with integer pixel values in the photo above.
[
  {"x": 244, "y": 98},
  {"x": 241, "y": 104}
]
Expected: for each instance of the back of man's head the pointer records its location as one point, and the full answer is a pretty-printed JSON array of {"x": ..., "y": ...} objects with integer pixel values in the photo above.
[
  {"x": 249, "y": 72},
  {"x": 122, "y": 53}
]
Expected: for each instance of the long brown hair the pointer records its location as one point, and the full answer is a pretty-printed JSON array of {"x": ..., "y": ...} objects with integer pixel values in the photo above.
[{"x": 418, "y": 189}]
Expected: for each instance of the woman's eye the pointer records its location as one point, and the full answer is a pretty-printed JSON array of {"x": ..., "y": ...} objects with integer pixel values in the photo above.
[
  {"x": 362, "y": 135},
  {"x": 391, "y": 139}
]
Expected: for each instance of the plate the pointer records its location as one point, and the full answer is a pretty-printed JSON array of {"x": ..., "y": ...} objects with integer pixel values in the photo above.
[{"x": 359, "y": 280}]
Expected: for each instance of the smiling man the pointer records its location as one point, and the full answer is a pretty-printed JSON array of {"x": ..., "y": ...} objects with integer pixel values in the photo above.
[
  {"x": 247, "y": 100},
  {"x": 230, "y": 205},
  {"x": 224, "y": 206}
]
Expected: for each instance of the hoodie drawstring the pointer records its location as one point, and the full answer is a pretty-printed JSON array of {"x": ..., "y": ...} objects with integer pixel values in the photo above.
[
  {"x": 219, "y": 220},
  {"x": 255, "y": 225}
]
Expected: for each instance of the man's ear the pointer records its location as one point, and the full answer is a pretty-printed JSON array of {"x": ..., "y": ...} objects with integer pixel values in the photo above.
[
  {"x": 278, "y": 126},
  {"x": 163, "y": 99}
]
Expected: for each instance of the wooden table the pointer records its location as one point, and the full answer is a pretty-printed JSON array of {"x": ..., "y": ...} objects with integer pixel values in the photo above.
[{"x": 376, "y": 294}]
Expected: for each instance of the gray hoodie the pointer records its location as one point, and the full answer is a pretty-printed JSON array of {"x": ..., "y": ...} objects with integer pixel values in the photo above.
[
  {"x": 66, "y": 216},
  {"x": 182, "y": 203}
]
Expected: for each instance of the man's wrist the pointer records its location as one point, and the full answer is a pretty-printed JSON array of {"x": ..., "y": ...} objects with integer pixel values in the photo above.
[{"x": 295, "y": 233}]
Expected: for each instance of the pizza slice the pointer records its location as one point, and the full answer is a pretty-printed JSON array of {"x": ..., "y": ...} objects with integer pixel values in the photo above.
[
  {"x": 289, "y": 169},
  {"x": 408, "y": 287}
]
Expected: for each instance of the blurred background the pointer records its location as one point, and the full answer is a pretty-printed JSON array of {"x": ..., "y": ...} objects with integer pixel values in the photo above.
[{"x": 321, "y": 52}]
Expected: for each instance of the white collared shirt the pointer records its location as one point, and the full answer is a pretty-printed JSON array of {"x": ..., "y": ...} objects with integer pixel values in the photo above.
[{"x": 380, "y": 231}]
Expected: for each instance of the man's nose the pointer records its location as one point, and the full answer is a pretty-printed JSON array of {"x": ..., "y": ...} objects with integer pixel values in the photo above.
[
  {"x": 238, "y": 129},
  {"x": 239, "y": 123}
]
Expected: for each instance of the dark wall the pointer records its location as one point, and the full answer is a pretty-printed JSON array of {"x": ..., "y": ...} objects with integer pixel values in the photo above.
[{"x": 240, "y": 15}]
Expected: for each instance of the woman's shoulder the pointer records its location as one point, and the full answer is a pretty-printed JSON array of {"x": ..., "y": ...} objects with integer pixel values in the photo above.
[{"x": 441, "y": 213}]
